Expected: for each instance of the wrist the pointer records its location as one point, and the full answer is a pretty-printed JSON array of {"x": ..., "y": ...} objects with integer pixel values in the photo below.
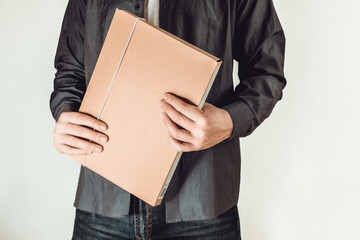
[{"x": 228, "y": 125}]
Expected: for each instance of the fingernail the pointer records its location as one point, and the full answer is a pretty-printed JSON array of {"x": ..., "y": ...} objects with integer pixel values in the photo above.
[
  {"x": 103, "y": 127},
  {"x": 89, "y": 152},
  {"x": 98, "y": 149},
  {"x": 103, "y": 139},
  {"x": 166, "y": 96}
]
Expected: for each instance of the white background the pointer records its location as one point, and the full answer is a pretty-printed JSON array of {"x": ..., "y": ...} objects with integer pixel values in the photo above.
[{"x": 300, "y": 168}]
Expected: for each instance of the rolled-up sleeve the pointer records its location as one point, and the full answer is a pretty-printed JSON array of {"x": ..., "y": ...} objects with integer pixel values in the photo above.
[
  {"x": 258, "y": 46},
  {"x": 69, "y": 82}
]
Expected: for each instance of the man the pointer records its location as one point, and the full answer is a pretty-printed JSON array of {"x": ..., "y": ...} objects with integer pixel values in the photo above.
[{"x": 201, "y": 201}]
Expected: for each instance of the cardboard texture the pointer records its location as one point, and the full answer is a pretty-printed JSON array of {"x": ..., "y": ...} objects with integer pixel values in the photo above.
[{"x": 125, "y": 94}]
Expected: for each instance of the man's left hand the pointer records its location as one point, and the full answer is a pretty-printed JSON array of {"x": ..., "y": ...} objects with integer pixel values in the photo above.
[{"x": 194, "y": 129}]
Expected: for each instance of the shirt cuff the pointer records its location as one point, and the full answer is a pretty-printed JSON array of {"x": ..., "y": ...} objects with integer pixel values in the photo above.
[
  {"x": 242, "y": 118},
  {"x": 66, "y": 107}
]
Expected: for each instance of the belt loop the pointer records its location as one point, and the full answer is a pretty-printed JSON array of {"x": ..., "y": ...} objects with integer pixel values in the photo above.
[
  {"x": 149, "y": 225},
  {"x": 136, "y": 219}
]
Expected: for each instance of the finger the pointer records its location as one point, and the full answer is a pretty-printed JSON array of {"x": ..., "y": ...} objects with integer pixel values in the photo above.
[
  {"x": 65, "y": 149},
  {"x": 83, "y": 119},
  {"x": 190, "y": 111},
  {"x": 80, "y": 143},
  {"x": 181, "y": 146},
  {"x": 177, "y": 133},
  {"x": 83, "y": 132},
  {"x": 178, "y": 117}
]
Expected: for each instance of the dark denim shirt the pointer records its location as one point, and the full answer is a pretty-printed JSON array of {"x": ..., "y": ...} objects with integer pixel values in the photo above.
[{"x": 205, "y": 183}]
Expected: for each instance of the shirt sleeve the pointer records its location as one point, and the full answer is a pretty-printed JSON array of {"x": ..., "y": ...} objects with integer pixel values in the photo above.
[
  {"x": 258, "y": 46},
  {"x": 69, "y": 82}
]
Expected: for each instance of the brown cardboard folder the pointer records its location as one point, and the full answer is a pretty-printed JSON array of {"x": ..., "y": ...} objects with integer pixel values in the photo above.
[{"x": 137, "y": 65}]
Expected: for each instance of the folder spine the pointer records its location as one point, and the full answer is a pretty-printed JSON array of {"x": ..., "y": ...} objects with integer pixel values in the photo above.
[
  {"x": 170, "y": 175},
  {"x": 206, "y": 93}
]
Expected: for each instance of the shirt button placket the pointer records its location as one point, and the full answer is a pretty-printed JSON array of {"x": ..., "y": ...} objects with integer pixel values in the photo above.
[
  {"x": 137, "y": 7},
  {"x": 167, "y": 5}
]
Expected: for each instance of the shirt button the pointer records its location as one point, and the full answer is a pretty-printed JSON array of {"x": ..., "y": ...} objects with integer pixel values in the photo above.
[
  {"x": 137, "y": 7},
  {"x": 167, "y": 6}
]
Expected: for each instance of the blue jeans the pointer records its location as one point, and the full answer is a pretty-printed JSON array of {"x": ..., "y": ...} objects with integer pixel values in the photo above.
[{"x": 146, "y": 222}]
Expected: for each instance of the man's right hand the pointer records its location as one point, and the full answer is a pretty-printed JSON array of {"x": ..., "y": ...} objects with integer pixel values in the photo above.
[{"x": 72, "y": 133}]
